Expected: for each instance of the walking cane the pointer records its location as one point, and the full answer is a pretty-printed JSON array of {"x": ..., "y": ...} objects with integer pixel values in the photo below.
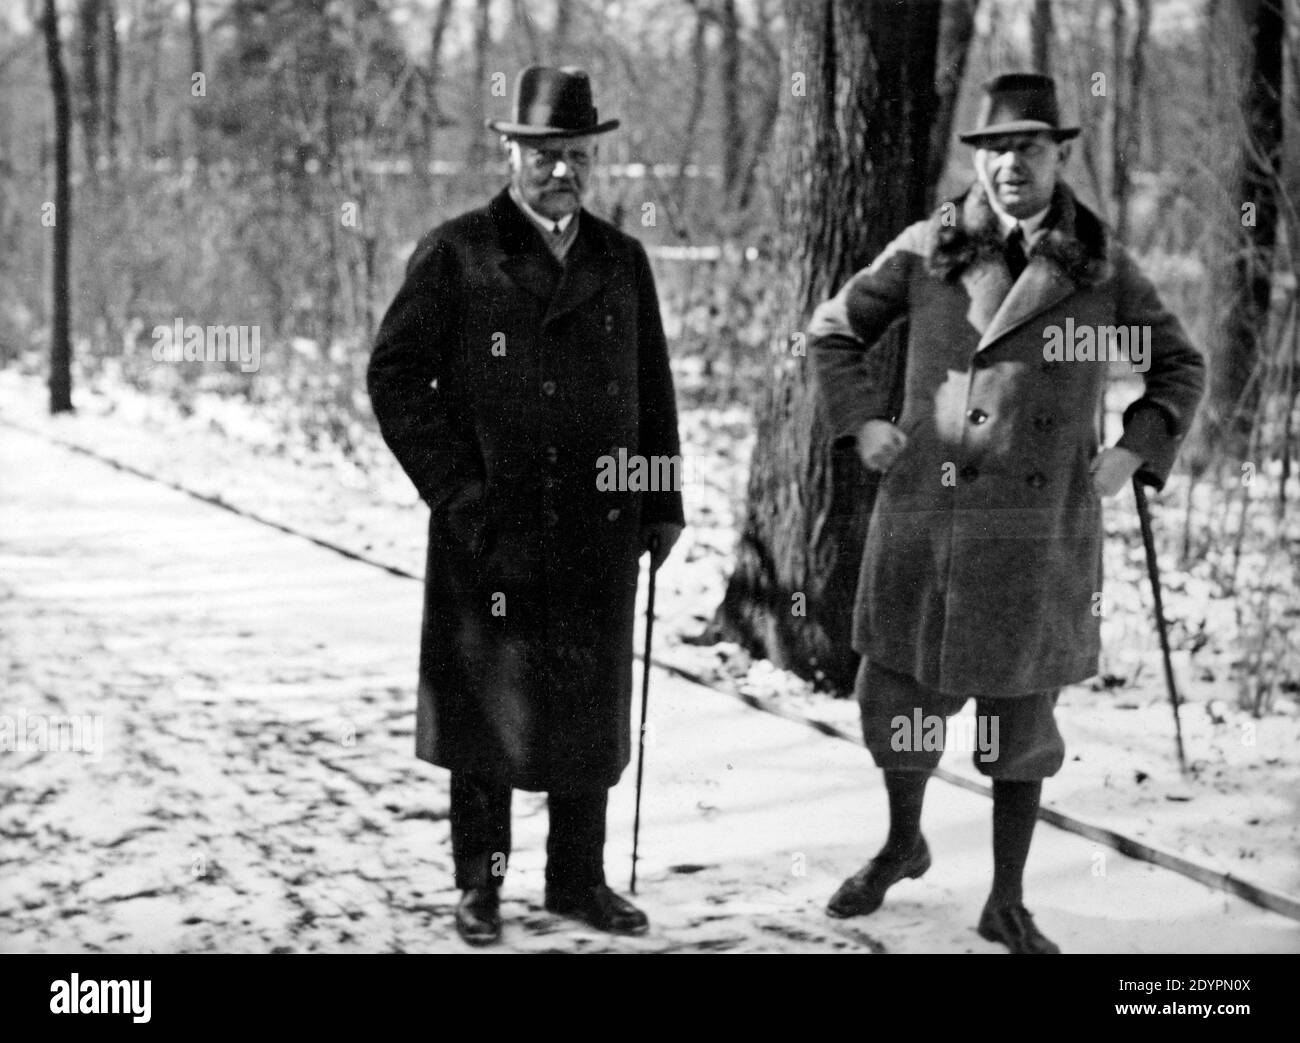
[
  {"x": 645, "y": 701},
  {"x": 1148, "y": 541}
]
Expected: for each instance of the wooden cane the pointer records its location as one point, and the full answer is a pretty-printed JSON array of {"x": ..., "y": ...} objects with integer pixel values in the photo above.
[
  {"x": 645, "y": 702},
  {"x": 1153, "y": 569}
]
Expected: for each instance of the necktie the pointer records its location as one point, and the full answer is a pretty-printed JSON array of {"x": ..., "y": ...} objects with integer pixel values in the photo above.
[{"x": 1015, "y": 252}]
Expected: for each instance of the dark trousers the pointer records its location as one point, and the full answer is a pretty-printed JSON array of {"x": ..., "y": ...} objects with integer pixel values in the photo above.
[{"x": 480, "y": 834}]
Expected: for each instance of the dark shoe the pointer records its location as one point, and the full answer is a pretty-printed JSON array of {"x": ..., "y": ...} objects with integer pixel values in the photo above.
[
  {"x": 600, "y": 907},
  {"x": 863, "y": 892},
  {"x": 1014, "y": 927},
  {"x": 478, "y": 919}
]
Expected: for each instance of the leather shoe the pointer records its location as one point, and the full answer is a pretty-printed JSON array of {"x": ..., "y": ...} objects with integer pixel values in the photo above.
[
  {"x": 863, "y": 892},
  {"x": 1014, "y": 927},
  {"x": 599, "y": 907},
  {"x": 478, "y": 919}
]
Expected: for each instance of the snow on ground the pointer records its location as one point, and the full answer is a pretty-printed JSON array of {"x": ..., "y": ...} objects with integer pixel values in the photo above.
[
  {"x": 253, "y": 790},
  {"x": 1236, "y": 810}
]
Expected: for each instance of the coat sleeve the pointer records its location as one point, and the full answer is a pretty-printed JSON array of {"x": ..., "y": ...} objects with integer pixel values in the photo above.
[
  {"x": 658, "y": 403},
  {"x": 844, "y": 330},
  {"x": 417, "y": 341},
  {"x": 1155, "y": 425}
]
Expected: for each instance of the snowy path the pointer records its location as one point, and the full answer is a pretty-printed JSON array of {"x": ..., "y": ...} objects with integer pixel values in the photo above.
[{"x": 256, "y": 791}]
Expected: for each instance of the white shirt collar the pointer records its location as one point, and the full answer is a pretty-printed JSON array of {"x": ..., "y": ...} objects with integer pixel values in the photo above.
[
  {"x": 1028, "y": 225},
  {"x": 554, "y": 227}
]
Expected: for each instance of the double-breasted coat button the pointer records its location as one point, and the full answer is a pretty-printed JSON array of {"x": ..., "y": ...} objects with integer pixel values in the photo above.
[
  {"x": 548, "y": 387},
  {"x": 609, "y": 323},
  {"x": 552, "y": 454},
  {"x": 977, "y": 416},
  {"x": 970, "y": 472},
  {"x": 613, "y": 514},
  {"x": 1036, "y": 479},
  {"x": 611, "y": 388}
]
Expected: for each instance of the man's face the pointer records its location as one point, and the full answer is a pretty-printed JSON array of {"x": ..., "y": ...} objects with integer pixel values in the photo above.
[
  {"x": 1019, "y": 171},
  {"x": 551, "y": 173}
]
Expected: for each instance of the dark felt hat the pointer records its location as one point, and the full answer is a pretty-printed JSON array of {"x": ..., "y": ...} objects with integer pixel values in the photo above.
[
  {"x": 1019, "y": 103},
  {"x": 552, "y": 103}
]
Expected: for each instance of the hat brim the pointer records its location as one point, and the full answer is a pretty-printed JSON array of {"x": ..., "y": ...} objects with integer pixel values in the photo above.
[
  {"x": 525, "y": 130},
  {"x": 1018, "y": 127}
]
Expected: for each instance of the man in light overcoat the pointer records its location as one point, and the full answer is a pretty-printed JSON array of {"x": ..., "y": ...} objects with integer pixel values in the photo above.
[{"x": 981, "y": 574}]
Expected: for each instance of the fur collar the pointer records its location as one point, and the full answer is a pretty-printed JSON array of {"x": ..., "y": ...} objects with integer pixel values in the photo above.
[{"x": 1074, "y": 238}]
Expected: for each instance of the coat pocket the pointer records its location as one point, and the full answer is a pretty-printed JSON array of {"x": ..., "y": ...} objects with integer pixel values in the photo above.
[{"x": 466, "y": 520}]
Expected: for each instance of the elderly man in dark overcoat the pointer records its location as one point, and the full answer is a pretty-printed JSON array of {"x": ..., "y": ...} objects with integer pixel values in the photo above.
[
  {"x": 523, "y": 353},
  {"x": 981, "y": 574}
]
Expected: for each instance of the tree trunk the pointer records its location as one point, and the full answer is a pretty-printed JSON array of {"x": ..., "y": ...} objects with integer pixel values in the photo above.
[
  {"x": 196, "y": 38},
  {"x": 1128, "y": 115},
  {"x": 1121, "y": 117},
  {"x": 112, "y": 87},
  {"x": 61, "y": 342},
  {"x": 433, "y": 115},
  {"x": 90, "y": 103},
  {"x": 733, "y": 126},
  {"x": 563, "y": 27},
  {"x": 855, "y": 140},
  {"x": 956, "y": 30},
  {"x": 760, "y": 131},
  {"x": 476, "y": 152},
  {"x": 1245, "y": 276},
  {"x": 525, "y": 22},
  {"x": 700, "y": 67},
  {"x": 1040, "y": 36}
]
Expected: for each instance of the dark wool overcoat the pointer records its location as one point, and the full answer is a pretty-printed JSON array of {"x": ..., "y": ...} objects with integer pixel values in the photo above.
[
  {"x": 500, "y": 378},
  {"x": 982, "y": 566}
]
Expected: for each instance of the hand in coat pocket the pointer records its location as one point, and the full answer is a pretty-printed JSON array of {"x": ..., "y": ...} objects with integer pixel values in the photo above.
[{"x": 465, "y": 517}]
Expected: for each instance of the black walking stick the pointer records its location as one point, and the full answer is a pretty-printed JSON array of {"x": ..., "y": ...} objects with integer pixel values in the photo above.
[
  {"x": 1149, "y": 542},
  {"x": 645, "y": 702}
]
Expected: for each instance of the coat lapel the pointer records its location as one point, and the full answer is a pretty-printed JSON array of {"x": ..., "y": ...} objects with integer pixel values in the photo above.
[
  {"x": 588, "y": 267},
  {"x": 527, "y": 262},
  {"x": 1041, "y": 285},
  {"x": 987, "y": 285},
  {"x": 1071, "y": 253}
]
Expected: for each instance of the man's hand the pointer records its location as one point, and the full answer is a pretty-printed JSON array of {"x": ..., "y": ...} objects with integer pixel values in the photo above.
[
  {"x": 1112, "y": 468},
  {"x": 879, "y": 444},
  {"x": 658, "y": 538}
]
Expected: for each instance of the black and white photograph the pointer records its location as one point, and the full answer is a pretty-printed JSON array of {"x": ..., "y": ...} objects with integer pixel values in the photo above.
[{"x": 650, "y": 476}]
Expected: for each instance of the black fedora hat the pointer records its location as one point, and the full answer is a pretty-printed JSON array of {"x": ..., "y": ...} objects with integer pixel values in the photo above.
[
  {"x": 1019, "y": 103},
  {"x": 552, "y": 103}
]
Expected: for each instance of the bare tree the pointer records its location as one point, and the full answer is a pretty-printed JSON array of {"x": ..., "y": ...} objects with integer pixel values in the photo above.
[
  {"x": 956, "y": 30},
  {"x": 477, "y": 151},
  {"x": 700, "y": 74},
  {"x": 733, "y": 126},
  {"x": 90, "y": 101},
  {"x": 61, "y": 341},
  {"x": 1040, "y": 36},
  {"x": 858, "y": 103},
  {"x": 196, "y": 38},
  {"x": 1129, "y": 57},
  {"x": 563, "y": 27},
  {"x": 525, "y": 22},
  {"x": 1244, "y": 278},
  {"x": 433, "y": 114},
  {"x": 113, "y": 81},
  {"x": 766, "y": 55}
]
